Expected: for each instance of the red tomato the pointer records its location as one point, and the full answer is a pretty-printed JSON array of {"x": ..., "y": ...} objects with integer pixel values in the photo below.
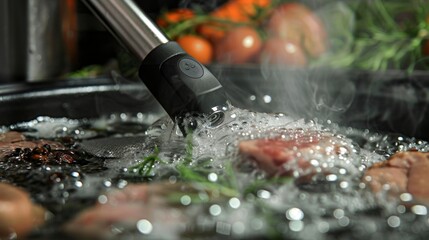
[
  {"x": 198, "y": 47},
  {"x": 240, "y": 45},
  {"x": 234, "y": 11},
  {"x": 282, "y": 52},
  {"x": 296, "y": 23},
  {"x": 174, "y": 16}
]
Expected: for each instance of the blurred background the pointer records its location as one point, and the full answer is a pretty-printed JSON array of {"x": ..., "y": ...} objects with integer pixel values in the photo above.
[{"x": 49, "y": 39}]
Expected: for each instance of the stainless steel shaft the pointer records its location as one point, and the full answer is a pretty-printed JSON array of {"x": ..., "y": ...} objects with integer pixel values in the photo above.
[{"x": 129, "y": 24}]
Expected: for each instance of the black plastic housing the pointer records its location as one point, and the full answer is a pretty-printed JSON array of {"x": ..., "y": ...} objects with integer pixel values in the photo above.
[{"x": 180, "y": 83}]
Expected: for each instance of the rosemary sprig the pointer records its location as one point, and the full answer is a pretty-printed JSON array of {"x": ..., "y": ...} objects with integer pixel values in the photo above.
[
  {"x": 191, "y": 175},
  {"x": 225, "y": 185},
  {"x": 387, "y": 35},
  {"x": 145, "y": 167}
]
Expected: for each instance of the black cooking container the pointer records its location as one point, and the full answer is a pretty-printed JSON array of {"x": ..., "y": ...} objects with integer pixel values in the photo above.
[{"x": 391, "y": 101}]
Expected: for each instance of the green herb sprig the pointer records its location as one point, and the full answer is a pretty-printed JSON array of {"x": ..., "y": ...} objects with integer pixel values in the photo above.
[
  {"x": 145, "y": 167},
  {"x": 386, "y": 35}
]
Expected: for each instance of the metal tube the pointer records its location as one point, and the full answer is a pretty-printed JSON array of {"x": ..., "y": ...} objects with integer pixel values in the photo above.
[{"x": 128, "y": 23}]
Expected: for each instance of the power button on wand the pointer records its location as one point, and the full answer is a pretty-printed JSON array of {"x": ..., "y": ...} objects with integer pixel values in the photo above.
[{"x": 191, "y": 68}]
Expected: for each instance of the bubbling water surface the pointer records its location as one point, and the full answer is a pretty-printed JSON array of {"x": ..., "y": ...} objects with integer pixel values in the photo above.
[{"x": 333, "y": 204}]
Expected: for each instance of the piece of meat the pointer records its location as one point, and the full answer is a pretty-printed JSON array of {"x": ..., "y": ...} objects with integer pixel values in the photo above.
[
  {"x": 10, "y": 141},
  {"x": 395, "y": 178},
  {"x": 124, "y": 208},
  {"x": 418, "y": 179},
  {"x": 403, "y": 172},
  {"x": 11, "y": 136},
  {"x": 14, "y": 145},
  {"x": 18, "y": 215},
  {"x": 294, "y": 150}
]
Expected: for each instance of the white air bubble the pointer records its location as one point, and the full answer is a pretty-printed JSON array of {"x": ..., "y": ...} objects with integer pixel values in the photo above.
[
  {"x": 215, "y": 210},
  {"x": 78, "y": 184},
  {"x": 296, "y": 226},
  {"x": 144, "y": 226},
  {"x": 267, "y": 98},
  {"x": 332, "y": 177},
  {"x": 212, "y": 177},
  {"x": 263, "y": 194},
  {"x": 294, "y": 214},
  {"x": 234, "y": 203},
  {"x": 406, "y": 197},
  {"x": 419, "y": 210},
  {"x": 394, "y": 221},
  {"x": 338, "y": 213},
  {"x": 185, "y": 200},
  {"x": 102, "y": 199}
]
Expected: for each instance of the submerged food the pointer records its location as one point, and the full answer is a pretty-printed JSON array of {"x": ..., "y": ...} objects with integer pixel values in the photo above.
[
  {"x": 296, "y": 150},
  {"x": 404, "y": 172},
  {"x": 256, "y": 175},
  {"x": 144, "y": 209},
  {"x": 18, "y": 215},
  {"x": 13, "y": 141}
]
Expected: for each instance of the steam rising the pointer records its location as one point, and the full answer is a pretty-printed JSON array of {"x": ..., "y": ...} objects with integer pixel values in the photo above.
[{"x": 312, "y": 93}]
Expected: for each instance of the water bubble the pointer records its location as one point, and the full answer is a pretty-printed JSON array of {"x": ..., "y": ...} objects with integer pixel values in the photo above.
[
  {"x": 102, "y": 199},
  {"x": 172, "y": 179},
  {"x": 144, "y": 226},
  {"x": 401, "y": 209},
  {"x": 123, "y": 116},
  {"x": 78, "y": 184},
  {"x": 215, "y": 210},
  {"x": 234, "y": 203},
  {"x": 252, "y": 98},
  {"x": 394, "y": 221},
  {"x": 419, "y": 210},
  {"x": 344, "y": 221},
  {"x": 406, "y": 197},
  {"x": 203, "y": 196},
  {"x": 65, "y": 194},
  {"x": 344, "y": 184},
  {"x": 331, "y": 177},
  {"x": 267, "y": 98},
  {"x": 338, "y": 213},
  {"x": 264, "y": 194},
  {"x": 122, "y": 183},
  {"x": 107, "y": 183},
  {"x": 75, "y": 174},
  {"x": 296, "y": 225},
  {"x": 185, "y": 200},
  {"x": 314, "y": 162},
  {"x": 212, "y": 177},
  {"x": 294, "y": 214}
]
